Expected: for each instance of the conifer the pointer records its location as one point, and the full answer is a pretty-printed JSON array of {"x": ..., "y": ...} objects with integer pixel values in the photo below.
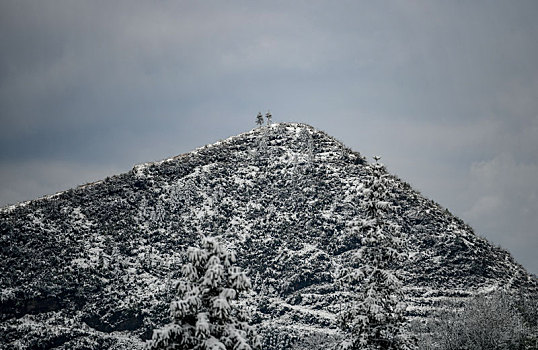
[
  {"x": 207, "y": 313},
  {"x": 374, "y": 318}
]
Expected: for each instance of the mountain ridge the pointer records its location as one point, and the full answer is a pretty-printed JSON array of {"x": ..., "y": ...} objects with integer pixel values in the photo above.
[{"x": 283, "y": 196}]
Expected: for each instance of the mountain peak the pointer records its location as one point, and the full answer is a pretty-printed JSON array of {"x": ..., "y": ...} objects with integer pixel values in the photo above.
[{"x": 290, "y": 141}]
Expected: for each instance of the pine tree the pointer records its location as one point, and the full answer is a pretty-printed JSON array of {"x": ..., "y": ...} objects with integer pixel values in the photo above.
[
  {"x": 259, "y": 119},
  {"x": 207, "y": 313},
  {"x": 374, "y": 318},
  {"x": 269, "y": 117}
]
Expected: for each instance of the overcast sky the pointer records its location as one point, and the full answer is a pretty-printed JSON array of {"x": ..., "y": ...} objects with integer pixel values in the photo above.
[{"x": 445, "y": 91}]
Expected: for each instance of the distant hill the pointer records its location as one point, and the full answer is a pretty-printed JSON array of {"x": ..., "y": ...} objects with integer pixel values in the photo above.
[{"x": 93, "y": 267}]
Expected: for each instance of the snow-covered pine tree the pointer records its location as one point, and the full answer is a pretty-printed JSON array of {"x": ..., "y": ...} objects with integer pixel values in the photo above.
[
  {"x": 207, "y": 313},
  {"x": 374, "y": 318},
  {"x": 269, "y": 117},
  {"x": 259, "y": 119}
]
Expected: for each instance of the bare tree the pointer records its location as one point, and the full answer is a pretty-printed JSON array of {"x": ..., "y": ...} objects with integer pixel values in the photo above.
[{"x": 485, "y": 322}]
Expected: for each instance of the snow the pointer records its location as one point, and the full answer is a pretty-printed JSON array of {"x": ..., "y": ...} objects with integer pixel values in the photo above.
[{"x": 319, "y": 313}]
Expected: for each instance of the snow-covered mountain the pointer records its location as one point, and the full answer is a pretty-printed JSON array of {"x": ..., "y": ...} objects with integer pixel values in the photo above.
[{"x": 93, "y": 267}]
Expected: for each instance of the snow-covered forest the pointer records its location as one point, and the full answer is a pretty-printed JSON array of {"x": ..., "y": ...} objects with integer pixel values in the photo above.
[{"x": 278, "y": 238}]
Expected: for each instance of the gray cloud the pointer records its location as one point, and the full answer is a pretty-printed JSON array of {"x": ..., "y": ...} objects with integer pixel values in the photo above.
[
  {"x": 505, "y": 203},
  {"x": 445, "y": 91},
  {"x": 37, "y": 178}
]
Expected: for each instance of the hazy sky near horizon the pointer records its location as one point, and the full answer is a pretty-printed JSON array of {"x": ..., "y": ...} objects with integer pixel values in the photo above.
[{"x": 445, "y": 91}]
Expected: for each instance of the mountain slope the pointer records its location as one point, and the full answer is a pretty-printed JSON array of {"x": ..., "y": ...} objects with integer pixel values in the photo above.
[{"x": 93, "y": 267}]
